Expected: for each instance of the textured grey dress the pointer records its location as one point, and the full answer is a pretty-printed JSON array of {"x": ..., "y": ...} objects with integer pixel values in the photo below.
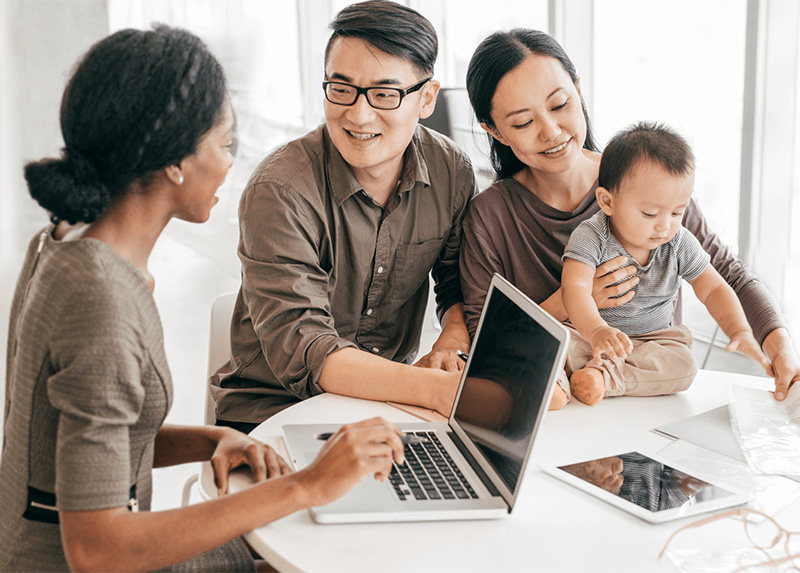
[{"x": 87, "y": 388}]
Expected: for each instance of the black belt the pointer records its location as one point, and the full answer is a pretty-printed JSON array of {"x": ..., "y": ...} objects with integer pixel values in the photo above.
[{"x": 41, "y": 505}]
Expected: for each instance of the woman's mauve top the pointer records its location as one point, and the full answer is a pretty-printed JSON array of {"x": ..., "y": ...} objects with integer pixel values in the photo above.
[{"x": 510, "y": 231}]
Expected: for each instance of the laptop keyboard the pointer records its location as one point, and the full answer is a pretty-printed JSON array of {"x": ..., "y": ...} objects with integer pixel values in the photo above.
[{"x": 429, "y": 473}]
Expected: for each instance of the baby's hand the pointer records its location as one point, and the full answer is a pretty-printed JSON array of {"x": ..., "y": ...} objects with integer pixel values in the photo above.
[
  {"x": 611, "y": 342},
  {"x": 744, "y": 342}
]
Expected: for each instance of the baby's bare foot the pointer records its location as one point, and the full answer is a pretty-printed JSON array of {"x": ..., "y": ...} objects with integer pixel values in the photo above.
[{"x": 587, "y": 385}]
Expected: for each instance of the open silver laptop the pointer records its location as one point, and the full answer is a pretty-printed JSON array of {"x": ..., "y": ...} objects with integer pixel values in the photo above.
[{"x": 472, "y": 467}]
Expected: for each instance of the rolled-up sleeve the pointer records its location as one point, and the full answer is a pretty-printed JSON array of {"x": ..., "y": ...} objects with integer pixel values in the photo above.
[
  {"x": 285, "y": 287},
  {"x": 760, "y": 307},
  {"x": 445, "y": 273}
]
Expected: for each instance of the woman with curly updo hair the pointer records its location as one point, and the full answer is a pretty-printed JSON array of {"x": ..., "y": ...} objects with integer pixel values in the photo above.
[{"x": 148, "y": 130}]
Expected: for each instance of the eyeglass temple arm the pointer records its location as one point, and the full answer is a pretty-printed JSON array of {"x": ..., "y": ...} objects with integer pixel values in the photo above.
[{"x": 699, "y": 523}]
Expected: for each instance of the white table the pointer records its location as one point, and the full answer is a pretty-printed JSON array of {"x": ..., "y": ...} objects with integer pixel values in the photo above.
[{"x": 553, "y": 527}]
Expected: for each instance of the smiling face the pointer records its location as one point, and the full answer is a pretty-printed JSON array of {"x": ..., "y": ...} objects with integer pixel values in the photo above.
[
  {"x": 647, "y": 209},
  {"x": 205, "y": 171},
  {"x": 536, "y": 111},
  {"x": 373, "y": 141}
]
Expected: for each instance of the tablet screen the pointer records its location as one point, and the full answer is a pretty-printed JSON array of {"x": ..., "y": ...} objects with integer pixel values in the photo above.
[{"x": 645, "y": 482}]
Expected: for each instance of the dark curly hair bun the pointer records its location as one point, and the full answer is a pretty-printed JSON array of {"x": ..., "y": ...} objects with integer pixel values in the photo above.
[
  {"x": 137, "y": 102},
  {"x": 69, "y": 188}
]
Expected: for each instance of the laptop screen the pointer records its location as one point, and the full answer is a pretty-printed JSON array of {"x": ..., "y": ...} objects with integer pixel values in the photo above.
[{"x": 507, "y": 380}]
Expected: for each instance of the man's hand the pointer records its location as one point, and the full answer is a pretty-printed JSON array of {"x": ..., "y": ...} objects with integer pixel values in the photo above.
[
  {"x": 454, "y": 337},
  {"x": 235, "y": 449},
  {"x": 445, "y": 359}
]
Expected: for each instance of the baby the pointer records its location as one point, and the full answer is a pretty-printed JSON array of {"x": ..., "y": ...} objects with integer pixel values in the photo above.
[{"x": 645, "y": 184}]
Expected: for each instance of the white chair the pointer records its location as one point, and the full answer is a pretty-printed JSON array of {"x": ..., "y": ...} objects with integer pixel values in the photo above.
[
  {"x": 219, "y": 343},
  {"x": 219, "y": 351}
]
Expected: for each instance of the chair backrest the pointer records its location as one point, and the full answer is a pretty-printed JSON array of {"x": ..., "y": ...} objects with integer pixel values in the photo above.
[{"x": 219, "y": 343}]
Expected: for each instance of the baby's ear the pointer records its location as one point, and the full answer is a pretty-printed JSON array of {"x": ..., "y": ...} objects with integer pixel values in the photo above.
[{"x": 605, "y": 199}]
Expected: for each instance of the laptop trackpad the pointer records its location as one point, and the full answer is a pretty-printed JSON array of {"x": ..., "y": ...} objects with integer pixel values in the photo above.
[{"x": 368, "y": 492}]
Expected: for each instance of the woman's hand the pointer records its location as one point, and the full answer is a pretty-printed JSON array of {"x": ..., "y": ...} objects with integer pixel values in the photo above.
[
  {"x": 355, "y": 451},
  {"x": 785, "y": 363},
  {"x": 235, "y": 449},
  {"x": 605, "y": 292}
]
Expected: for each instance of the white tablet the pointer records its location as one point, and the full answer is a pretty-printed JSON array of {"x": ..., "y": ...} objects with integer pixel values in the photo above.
[{"x": 646, "y": 486}]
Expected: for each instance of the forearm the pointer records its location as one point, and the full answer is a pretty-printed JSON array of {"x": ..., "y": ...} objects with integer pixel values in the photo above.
[
  {"x": 724, "y": 307},
  {"x": 353, "y": 372},
  {"x": 778, "y": 342},
  {"x": 554, "y": 305},
  {"x": 114, "y": 539},
  {"x": 584, "y": 316},
  {"x": 760, "y": 307},
  {"x": 176, "y": 445},
  {"x": 576, "y": 293},
  {"x": 454, "y": 330}
]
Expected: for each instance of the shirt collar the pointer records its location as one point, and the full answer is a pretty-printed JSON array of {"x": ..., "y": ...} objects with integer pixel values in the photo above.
[{"x": 344, "y": 184}]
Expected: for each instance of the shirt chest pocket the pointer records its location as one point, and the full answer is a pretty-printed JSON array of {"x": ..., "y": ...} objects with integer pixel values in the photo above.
[{"x": 412, "y": 264}]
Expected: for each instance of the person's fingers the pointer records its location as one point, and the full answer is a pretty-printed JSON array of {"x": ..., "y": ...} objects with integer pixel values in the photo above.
[
  {"x": 614, "y": 265},
  {"x": 284, "y": 467},
  {"x": 220, "y": 466},
  {"x": 271, "y": 462},
  {"x": 619, "y": 300},
  {"x": 627, "y": 343},
  {"x": 781, "y": 387},
  {"x": 751, "y": 349},
  {"x": 732, "y": 346},
  {"x": 617, "y": 346},
  {"x": 254, "y": 458},
  {"x": 782, "y": 384},
  {"x": 452, "y": 363}
]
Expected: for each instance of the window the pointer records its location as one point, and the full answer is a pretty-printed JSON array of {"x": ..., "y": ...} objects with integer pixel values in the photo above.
[{"x": 680, "y": 63}]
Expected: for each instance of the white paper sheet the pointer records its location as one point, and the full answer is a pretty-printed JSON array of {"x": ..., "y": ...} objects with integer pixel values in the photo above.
[
  {"x": 768, "y": 431},
  {"x": 772, "y": 493}
]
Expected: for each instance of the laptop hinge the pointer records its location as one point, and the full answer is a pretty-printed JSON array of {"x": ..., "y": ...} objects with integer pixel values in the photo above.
[{"x": 473, "y": 464}]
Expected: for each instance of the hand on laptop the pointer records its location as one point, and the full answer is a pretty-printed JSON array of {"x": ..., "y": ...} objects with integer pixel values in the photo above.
[
  {"x": 355, "y": 451},
  {"x": 235, "y": 449}
]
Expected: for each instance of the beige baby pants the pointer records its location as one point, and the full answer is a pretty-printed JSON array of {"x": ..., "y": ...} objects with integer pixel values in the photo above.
[{"x": 661, "y": 363}]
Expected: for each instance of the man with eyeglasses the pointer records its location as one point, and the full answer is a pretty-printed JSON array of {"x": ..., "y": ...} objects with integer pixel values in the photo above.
[{"x": 339, "y": 230}]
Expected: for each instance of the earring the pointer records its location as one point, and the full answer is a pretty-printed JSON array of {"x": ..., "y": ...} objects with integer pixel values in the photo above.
[{"x": 180, "y": 179}]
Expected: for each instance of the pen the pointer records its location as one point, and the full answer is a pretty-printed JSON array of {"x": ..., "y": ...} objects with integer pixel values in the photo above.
[
  {"x": 407, "y": 439},
  {"x": 462, "y": 355}
]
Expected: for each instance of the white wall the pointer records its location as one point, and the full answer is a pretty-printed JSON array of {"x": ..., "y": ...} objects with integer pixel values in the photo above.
[
  {"x": 42, "y": 40},
  {"x": 6, "y": 133}
]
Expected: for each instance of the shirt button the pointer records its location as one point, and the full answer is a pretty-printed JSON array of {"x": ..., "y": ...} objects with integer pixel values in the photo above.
[
  {"x": 376, "y": 350},
  {"x": 380, "y": 270},
  {"x": 369, "y": 312}
]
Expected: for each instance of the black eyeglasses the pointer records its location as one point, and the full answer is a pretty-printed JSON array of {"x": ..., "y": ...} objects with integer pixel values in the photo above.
[{"x": 379, "y": 98}]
